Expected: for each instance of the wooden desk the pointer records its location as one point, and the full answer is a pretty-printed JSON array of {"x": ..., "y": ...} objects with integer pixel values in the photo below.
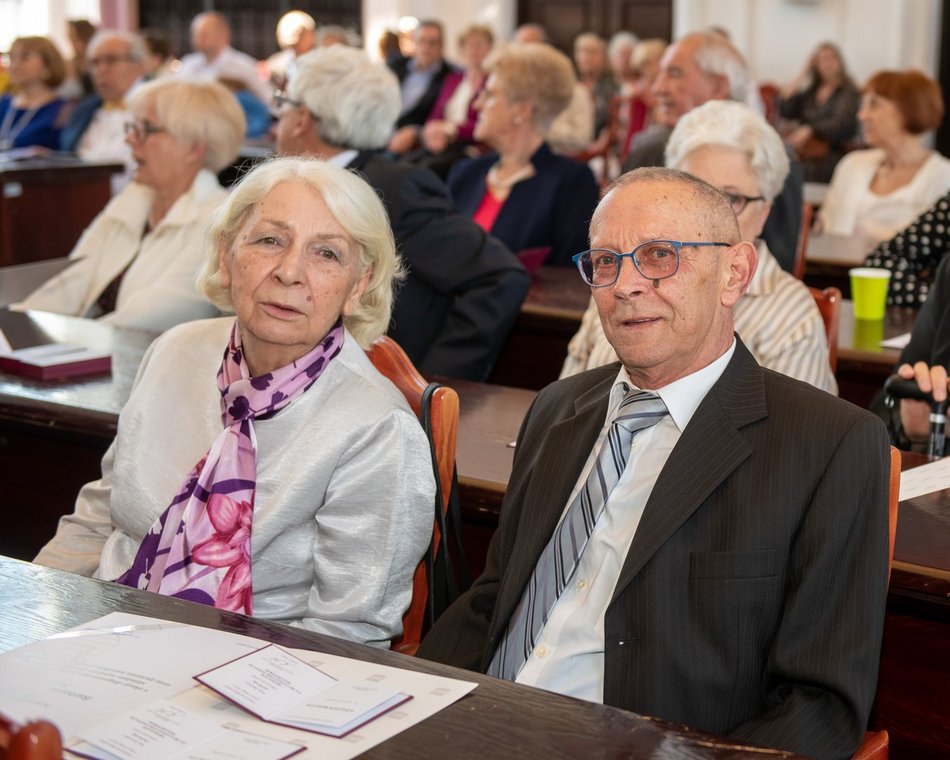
[
  {"x": 863, "y": 364},
  {"x": 551, "y": 314},
  {"x": 46, "y": 203},
  {"x": 912, "y": 697},
  {"x": 498, "y": 719},
  {"x": 828, "y": 259}
]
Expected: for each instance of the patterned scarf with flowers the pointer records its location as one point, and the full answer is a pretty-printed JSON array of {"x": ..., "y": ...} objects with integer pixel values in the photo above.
[{"x": 200, "y": 547}]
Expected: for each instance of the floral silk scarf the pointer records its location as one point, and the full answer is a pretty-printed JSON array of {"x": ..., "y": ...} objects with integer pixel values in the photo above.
[{"x": 200, "y": 547}]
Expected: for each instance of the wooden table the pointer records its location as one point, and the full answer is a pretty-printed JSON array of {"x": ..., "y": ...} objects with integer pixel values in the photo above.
[
  {"x": 498, "y": 719},
  {"x": 863, "y": 364},
  {"x": 912, "y": 697},
  {"x": 46, "y": 203},
  {"x": 537, "y": 345}
]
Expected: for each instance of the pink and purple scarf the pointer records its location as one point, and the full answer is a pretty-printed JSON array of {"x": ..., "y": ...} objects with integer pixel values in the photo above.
[{"x": 200, "y": 547}]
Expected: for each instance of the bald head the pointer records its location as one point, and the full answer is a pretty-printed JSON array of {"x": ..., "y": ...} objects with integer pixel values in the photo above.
[
  {"x": 708, "y": 205},
  {"x": 210, "y": 34}
]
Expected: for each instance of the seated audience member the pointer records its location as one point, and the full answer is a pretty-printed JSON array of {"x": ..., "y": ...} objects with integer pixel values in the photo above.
[
  {"x": 914, "y": 254},
  {"x": 695, "y": 69},
  {"x": 451, "y": 124},
  {"x": 593, "y": 71},
  {"x": 925, "y": 359},
  {"x": 214, "y": 58},
  {"x": 572, "y": 130},
  {"x": 620, "y": 58},
  {"x": 158, "y": 58},
  {"x": 639, "y": 116},
  {"x": 296, "y": 35},
  {"x": 96, "y": 127},
  {"x": 420, "y": 81},
  {"x": 78, "y": 82},
  {"x": 463, "y": 289},
  {"x": 714, "y": 570},
  {"x": 534, "y": 201},
  {"x": 136, "y": 264},
  {"x": 875, "y": 193},
  {"x": 731, "y": 147},
  {"x": 313, "y": 504},
  {"x": 32, "y": 116},
  {"x": 822, "y": 104}
]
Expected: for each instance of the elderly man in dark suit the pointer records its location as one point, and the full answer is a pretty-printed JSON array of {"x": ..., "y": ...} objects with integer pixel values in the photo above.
[
  {"x": 686, "y": 534},
  {"x": 464, "y": 288}
]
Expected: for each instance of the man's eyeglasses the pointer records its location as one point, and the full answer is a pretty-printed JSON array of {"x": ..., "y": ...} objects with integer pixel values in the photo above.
[
  {"x": 281, "y": 99},
  {"x": 739, "y": 201},
  {"x": 655, "y": 260},
  {"x": 109, "y": 60},
  {"x": 142, "y": 129}
]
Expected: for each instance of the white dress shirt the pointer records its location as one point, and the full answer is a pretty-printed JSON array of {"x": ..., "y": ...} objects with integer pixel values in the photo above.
[
  {"x": 569, "y": 655},
  {"x": 228, "y": 64}
]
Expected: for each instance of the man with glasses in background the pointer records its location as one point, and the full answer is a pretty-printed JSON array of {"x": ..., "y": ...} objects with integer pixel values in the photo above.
[
  {"x": 686, "y": 534},
  {"x": 96, "y": 128}
]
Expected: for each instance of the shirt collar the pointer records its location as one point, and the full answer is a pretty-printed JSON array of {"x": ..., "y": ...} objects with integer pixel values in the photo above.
[
  {"x": 681, "y": 397},
  {"x": 343, "y": 159}
]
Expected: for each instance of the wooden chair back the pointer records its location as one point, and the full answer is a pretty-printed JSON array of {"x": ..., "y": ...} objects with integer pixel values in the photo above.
[
  {"x": 37, "y": 740},
  {"x": 391, "y": 361},
  {"x": 804, "y": 231},
  {"x": 829, "y": 304},
  {"x": 875, "y": 743},
  {"x": 874, "y": 746}
]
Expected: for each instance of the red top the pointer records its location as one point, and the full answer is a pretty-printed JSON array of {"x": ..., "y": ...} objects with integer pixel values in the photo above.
[{"x": 487, "y": 211}]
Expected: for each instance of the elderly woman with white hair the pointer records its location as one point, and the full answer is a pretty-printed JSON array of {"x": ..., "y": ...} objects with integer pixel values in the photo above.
[
  {"x": 135, "y": 265},
  {"x": 294, "y": 482},
  {"x": 732, "y": 148}
]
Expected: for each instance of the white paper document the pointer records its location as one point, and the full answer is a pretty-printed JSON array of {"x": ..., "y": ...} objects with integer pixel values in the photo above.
[
  {"x": 123, "y": 687},
  {"x": 925, "y": 479},
  {"x": 898, "y": 341},
  {"x": 162, "y": 730},
  {"x": 275, "y": 686}
]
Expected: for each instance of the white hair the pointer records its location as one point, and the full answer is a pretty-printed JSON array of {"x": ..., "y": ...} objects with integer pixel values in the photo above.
[
  {"x": 716, "y": 55},
  {"x": 733, "y": 125},
  {"x": 196, "y": 112},
  {"x": 356, "y": 100},
  {"x": 355, "y": 206},
  {"x": 137, "y": 48},
  {"x": 621, "y": 40}
]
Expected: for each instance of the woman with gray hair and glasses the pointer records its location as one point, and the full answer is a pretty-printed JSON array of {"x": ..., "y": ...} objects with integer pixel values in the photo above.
[
  {"x": 731, "y": 147},
  {"x": 293, "y": 482},
  {"x": 135, "y": 265}
]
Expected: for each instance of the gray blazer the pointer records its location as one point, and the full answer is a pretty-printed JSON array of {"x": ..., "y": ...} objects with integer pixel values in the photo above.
[{"x": 751, "y": 601}]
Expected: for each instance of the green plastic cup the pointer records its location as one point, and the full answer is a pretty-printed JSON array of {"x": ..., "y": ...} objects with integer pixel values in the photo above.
[{"x": 869, "y": 292}]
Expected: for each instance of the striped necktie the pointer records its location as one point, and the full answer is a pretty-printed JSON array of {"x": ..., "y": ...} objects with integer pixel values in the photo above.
[{"x": 558, "y": 560}]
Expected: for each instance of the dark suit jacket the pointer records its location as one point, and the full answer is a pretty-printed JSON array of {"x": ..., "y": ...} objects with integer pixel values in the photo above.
[
  {"x": 930, "y": 338},
  {"x": 751, "y": 601},
  {"x": 785, "y": 219},
  {"x": 79, "y": 119},
  {"x": 420, "y": 111},
  {"x": 552, "y": 209},
  {"x": 464, "y": 288}
]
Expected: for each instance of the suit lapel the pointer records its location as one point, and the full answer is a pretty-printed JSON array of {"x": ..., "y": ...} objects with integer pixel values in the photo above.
[
  {"x": 710, "y": 448},
  {"x": 562, "y": 455}
]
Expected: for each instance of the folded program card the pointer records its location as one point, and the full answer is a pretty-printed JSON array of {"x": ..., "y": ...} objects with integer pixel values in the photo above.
[
  {"x": 162, "y": 730},
  {"x": 276, "y": 686}
]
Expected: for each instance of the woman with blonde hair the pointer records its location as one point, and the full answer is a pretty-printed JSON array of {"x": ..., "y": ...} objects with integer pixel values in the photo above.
[
  {"x": 135, "y": 265},
  {"x": 294, "y": 482},
  {"x": 537, "y": 203}
]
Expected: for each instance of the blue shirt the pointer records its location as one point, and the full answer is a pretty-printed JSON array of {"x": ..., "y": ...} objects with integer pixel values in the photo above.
[{"x": 42, "y": 128}]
